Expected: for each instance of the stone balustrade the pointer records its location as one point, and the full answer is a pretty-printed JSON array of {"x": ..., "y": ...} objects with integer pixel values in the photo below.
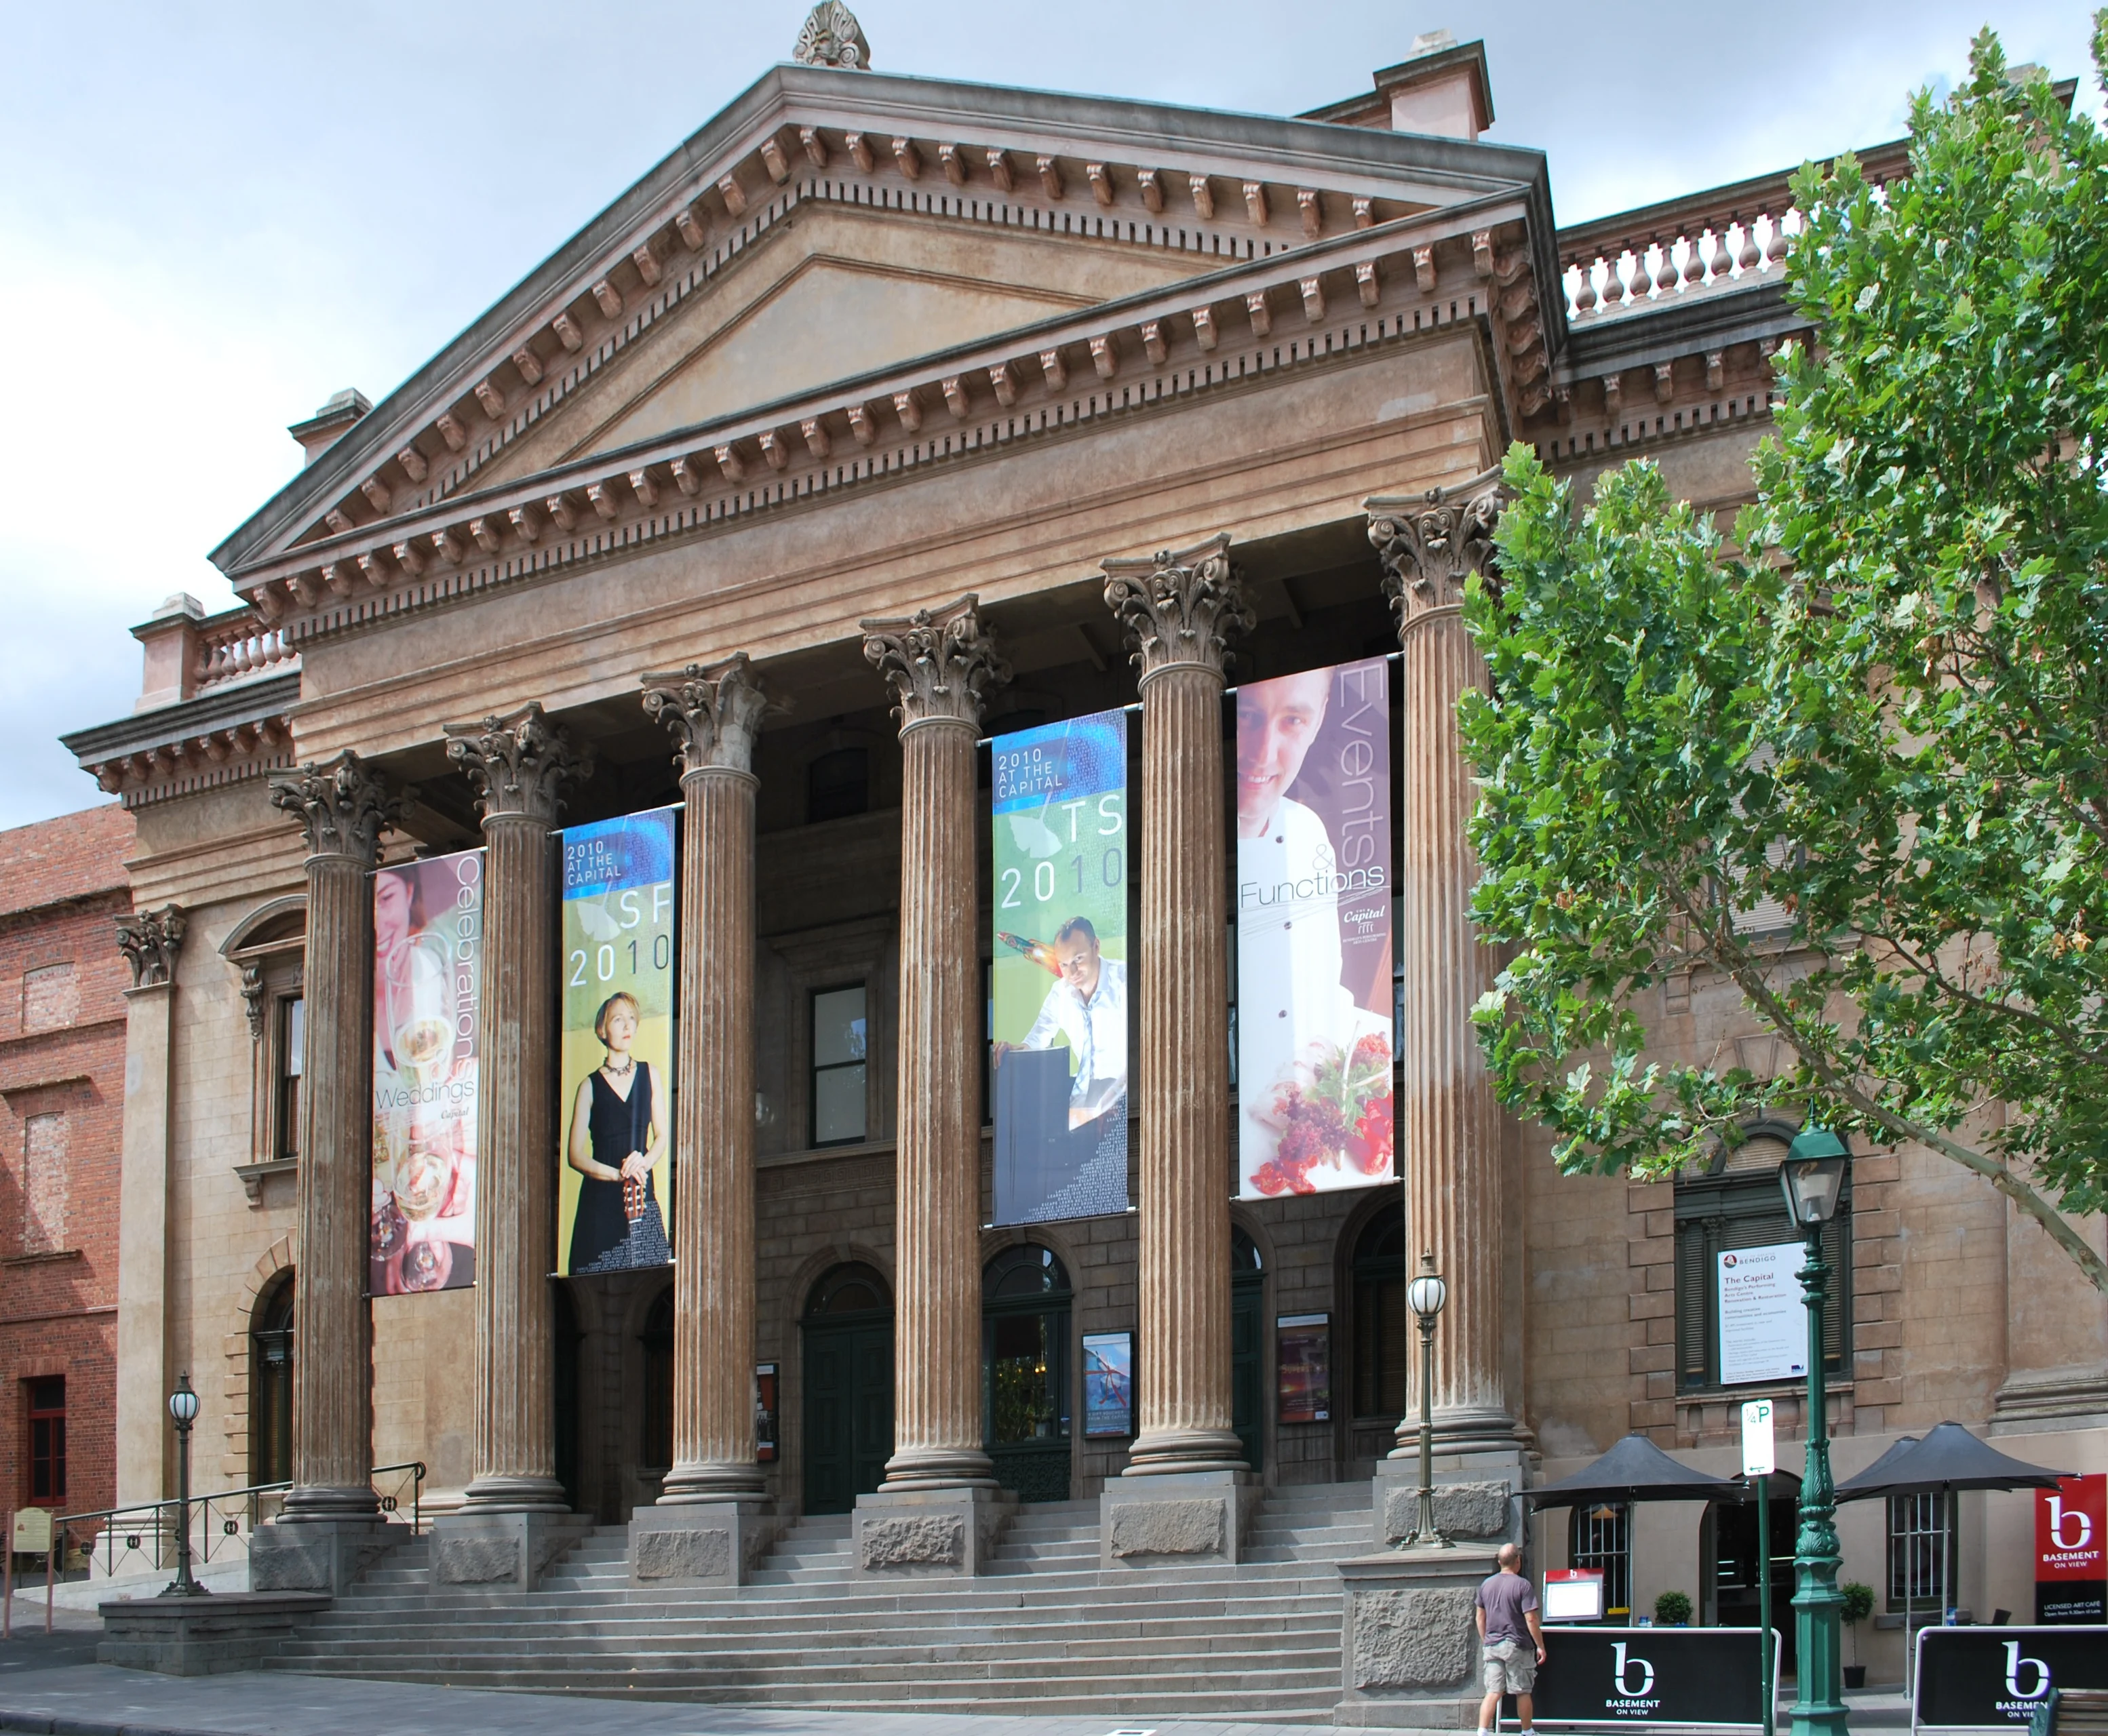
[{"x": 235, "y": 644}]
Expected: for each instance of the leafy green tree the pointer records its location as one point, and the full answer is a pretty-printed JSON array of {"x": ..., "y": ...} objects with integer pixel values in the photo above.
[{"x": 1879, "y": 712}]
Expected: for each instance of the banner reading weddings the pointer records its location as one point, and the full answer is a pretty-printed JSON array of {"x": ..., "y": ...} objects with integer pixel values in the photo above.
[
  {"x": 613, "y": 1199},
  {"x": 427, "y": 962},
  {"x": 1314, "y": 908},
  {"x": 1058, "y": 1050}
]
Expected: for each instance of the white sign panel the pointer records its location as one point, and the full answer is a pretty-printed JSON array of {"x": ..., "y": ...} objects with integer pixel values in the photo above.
[
  {"x": 1764, "y": 1319},
  {"x": 1758, "y": 1457}
]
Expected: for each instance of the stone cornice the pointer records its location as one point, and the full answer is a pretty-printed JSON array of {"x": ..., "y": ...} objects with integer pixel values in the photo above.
[
  {"x": 225, "y": 736},
  {"x": 879, "y": 139}
]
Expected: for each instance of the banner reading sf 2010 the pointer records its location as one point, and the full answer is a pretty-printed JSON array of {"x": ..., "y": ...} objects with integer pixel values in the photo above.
[
  {"x": 1058, "y": 1058},
  {"x": 427, "y": 962},
  {"x": 613, "y": 1203},
  {"x": 1313, "y": 931}
]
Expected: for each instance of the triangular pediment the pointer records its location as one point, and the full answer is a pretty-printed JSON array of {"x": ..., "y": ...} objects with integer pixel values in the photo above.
[{"x": 828, "y": 225}]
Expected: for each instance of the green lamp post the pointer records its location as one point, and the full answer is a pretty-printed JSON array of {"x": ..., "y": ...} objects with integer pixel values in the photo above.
[{"x": 1812, "y": 1179}]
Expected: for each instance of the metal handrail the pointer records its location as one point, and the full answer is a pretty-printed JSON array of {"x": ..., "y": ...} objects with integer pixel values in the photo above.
[{"x": 105, "y": 1524}]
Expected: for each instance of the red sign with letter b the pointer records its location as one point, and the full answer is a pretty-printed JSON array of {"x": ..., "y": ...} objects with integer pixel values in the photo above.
[{"x": 2071, "y": 1550}]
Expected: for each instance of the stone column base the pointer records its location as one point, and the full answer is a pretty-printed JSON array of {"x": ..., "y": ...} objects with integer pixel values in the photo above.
[
  {"x": 202, "y": 1636},
  {"x": 1175, "y": 1520},
  {"x": 1408, "y": 1642},
  {"x": 501, "y": 1552},
  {"x": 919, "y": 1533},
  {"x": 319, "y": 1556},
  {"x": 1478, "y": 1498},
  {"x": 700, "y": 1543}
]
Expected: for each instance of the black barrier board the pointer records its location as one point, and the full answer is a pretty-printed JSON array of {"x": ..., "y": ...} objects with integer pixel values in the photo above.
[
  {"x": 1994, "y": 1678},
  {"x": 1695, "y": 1678}
]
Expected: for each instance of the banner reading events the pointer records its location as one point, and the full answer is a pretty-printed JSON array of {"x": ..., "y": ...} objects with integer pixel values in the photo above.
[
  {"x": 427, "y": 960},
  {"x": 1058, "y": 1054},
  {"x": 613, "y": 1197},
  {"x": 1313, "y": 903}
]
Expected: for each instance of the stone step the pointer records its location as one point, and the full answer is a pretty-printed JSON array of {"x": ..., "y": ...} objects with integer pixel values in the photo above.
[
  {"x": 973, "y": 1649},
  {"x": 917, "y": 1685}
]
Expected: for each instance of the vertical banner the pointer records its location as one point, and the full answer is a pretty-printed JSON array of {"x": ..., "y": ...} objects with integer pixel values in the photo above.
[
  {"x": 427, "y": 968},
  {"x": 612, "y": 1206},
  {"x": 1314, "y": 910},
  {"x": 2071, "y": 1551},
  {"x": 1058, "y": 1058}
]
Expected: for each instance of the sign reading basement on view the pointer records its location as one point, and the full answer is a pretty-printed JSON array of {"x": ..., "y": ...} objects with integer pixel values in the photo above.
[
  {"x": 1058, "y": 1051},
  {"x": 1313, "y": 931},
  {"x": 1692, "y": 1678},
  {"x": 618, "y": 1020}
]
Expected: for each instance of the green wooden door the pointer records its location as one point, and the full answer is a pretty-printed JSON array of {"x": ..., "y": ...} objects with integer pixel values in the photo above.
[
  {"x": 1247, "y": 1364},
  {"x": 848, "y": 1410}
]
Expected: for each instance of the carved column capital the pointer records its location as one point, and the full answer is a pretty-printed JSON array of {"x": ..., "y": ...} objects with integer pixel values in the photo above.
[
  {"x": 150, "y": 941},
  {"x": 1430, "y": 544},
  {"x": 517, "y": 762},
  {"x": 937, "y": 662},
  {"x": 342, "y": 807},
  {"x": 1180, "y": 608},
  {"x": 712, "y": 711}
]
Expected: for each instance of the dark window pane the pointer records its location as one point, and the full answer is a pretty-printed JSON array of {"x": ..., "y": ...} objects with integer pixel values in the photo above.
[{"x": 838, "y": 784}]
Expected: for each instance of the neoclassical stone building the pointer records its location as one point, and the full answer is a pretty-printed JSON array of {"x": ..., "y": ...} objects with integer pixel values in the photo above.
[{"x": 886, "y": 416}]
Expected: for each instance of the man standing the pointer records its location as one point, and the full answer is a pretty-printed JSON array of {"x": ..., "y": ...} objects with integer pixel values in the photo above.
[
  {"x": 1088, "y": 1008},
  {"x": 1510, "y": 1638}
]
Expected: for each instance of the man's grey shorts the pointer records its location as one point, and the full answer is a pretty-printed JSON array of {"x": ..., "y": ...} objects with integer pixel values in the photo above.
[{"x": 1510, "y": 1667}]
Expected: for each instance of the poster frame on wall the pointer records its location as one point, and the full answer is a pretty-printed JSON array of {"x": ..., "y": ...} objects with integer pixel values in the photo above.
[
  {"x": 1302, "y": 1368},
  {"x": 1313, "y": 920},
  {"x": 1111, "y": 1416}
]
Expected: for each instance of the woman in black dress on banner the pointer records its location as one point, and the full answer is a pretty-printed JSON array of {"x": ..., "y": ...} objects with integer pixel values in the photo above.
[{"x": 618, "y": 1134}]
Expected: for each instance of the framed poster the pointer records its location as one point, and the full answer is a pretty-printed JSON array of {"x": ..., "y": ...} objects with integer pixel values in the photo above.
[
  {"x": 1108, "y": 1385},
  {"x": 1315, "y": 999},
  {"x": 1303, "y": 1367},
  {"x": 1763, "y": 1314},
  {"x": 613, "y": 1207},
  {"x": 427, "y": 965},
  {"x": 765, "y": 1411}
]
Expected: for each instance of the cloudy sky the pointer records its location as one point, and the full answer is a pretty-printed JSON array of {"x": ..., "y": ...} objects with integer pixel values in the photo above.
[{"x": 215, "y": 215}]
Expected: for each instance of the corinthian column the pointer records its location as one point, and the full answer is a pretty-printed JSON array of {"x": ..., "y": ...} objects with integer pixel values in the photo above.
[
  {"x": 342, "y": 807},
  {"x": 517, "y": 764},
  {"x": 937, "y": 663},
  {"x": 1450, "y": 1129},
  {"x": 713, "y": 711},
  {"x": 1179, "y": 611}
]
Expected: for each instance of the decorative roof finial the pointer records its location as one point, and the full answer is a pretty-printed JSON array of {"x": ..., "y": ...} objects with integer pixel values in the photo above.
[{"x": 832, "y": 38}]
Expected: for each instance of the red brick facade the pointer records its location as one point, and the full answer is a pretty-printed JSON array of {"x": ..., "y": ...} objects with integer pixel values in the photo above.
[{"x": 62, "y": 885}]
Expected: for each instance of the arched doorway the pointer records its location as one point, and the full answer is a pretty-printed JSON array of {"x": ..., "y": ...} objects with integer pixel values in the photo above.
[
  {"x": 1247, "y": 1341},
  {"x": 271, "y": 1383},
  {"x": 1025, "y": 1362},
  {"x": 1382, "y": 1348},
  {"x": 849, "y": 1386}
]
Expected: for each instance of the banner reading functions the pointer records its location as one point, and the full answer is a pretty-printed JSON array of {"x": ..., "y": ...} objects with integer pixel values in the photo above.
[
  {"x": 1313, "y": 931},
  {"x": 1058, "y": 1057},
  {"x": 613, "y": 1198},
  {"x": 427, "y": 966}
]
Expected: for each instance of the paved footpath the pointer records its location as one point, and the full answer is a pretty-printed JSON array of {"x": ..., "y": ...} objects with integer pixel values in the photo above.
[{"x": 46, "y": 1685}]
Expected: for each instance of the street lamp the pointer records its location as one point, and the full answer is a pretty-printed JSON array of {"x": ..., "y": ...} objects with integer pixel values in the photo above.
[
  {"x": 1425, "y": 1295},
  {"x": 184, "y": 1407},
  {"x": 1813, "y": 1180}
]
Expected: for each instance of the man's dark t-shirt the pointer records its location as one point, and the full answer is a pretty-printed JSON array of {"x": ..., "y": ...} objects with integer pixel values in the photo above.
[{"x": 1506, "y": 1598}]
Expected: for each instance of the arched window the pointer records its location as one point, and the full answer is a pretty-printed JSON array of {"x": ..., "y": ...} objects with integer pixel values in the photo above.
[
  {"x": 1382, "y": 1340},
  {"x": 271, "y": 1383},
  {"x": 658, "y": 1341},
  {"x": 837, "y": 784},
  {"x": 1025, "y": 1327},
  {"x": 852, "y": 1288}
]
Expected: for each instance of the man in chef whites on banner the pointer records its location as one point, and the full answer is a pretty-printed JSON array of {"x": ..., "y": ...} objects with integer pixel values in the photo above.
[{"x": 1313, "y": 931}]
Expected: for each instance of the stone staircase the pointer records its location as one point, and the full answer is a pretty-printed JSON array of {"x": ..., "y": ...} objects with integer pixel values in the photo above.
[{"x": 1042, "y": 1632}]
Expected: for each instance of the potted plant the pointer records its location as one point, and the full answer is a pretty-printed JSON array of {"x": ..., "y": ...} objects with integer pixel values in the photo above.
[
  {"x": 1672, "y": 1609},
  {"x": 1859, "y": 1605}
]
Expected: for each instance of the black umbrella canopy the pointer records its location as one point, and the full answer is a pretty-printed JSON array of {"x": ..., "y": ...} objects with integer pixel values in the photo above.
[
  {"x": 1636, "y": 1470},
  {"x": 1949, "y": 1457}
]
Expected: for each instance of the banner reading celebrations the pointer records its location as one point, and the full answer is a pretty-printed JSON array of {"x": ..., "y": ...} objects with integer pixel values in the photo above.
[
  {"x": 1313, "y": 931},
  {"x": 1058, "y": 1052},
  {"x": 427, "y": 965},
  {"x": 613, "y": 1202}
]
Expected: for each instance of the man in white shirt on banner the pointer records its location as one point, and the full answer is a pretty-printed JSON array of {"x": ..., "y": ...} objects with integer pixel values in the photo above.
[{"x": 1088, "y": 1007}]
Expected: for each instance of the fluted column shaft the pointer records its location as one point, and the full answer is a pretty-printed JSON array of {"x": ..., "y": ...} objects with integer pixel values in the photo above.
[
  {"x": 517, "y": 763},
  {"x": 342, "y": 807},
  {"x": 937, "y": 662},
  {"x": 1449, "y": 1120},
  {"x": 1179, "y": 610},
  {"x": 713, "y": 712}
]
